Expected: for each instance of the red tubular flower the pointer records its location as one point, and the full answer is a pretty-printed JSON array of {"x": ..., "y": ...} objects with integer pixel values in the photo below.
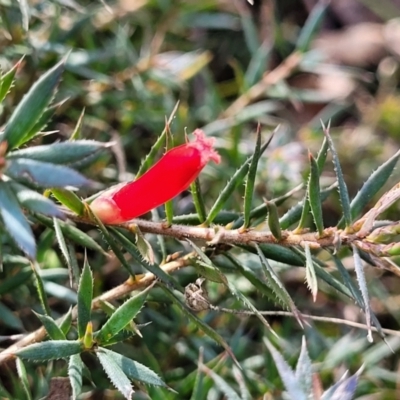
[{"x": 171, "y": 175}]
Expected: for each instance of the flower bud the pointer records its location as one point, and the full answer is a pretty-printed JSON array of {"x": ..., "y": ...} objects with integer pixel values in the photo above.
[{"x": 171, "y": 175}]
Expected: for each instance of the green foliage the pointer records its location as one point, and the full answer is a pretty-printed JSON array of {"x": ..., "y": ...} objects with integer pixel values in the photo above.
[{"x": 131, "y": 78}]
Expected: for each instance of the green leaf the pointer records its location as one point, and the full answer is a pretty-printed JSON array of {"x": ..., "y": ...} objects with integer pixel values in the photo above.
[
  {"x": 23, "y": 378},
  {"x": 75, "y": 371},
  {"x": 50, "y": 350},
  {"x": 314, "y": 197},
  {"x": 31, "y": 107},
  {"x": 45, "y": 174},
  {"x": 15, "y": 222},
  {"x": 122, "y": 316},
  {"x": 311, "y": 277},
  {"x": 149, "y": 160},
  {"x": 85, "y": 297},
  {"x": 40, "y": 289},
  {"x": 66, "y": 322},
  {"x": 343, "y": 192},
  {"x": 7, "y": 80},
  {"x": 69, "y": 199},
  {"x": 257, "y": 64},
  {"x": 73, "y": 233},
  {"x": 276, "y": 285},
  {"x": 61, "y": 153},
  {"x": 199, "y": 323},
  {"x": 251, "y": 177},
  {"x": 374, "y": 183},
  {"x": 198, "y": 200},
  {"x": 134, "y": 370},
  {"x": 10, "y": 283},
  {"x": 231, "y": 287},
  {"x": 234, "y": 182},
  {"x": 10, "y": 319},
  {"x": 115, "y": 373},
  {"x": 292, "y": 384},
  {"x": 304, "y": 370},
  {"x": 358, "y": 267},
  {"x": 35, "y": 202},
  {"x": 52, "y": 329},
  {"x": 273, "y": 220},
  {"x": 155, "y": 269},
  {"x": 311, "y": 26},
  {"x": 76, "y": 134}
]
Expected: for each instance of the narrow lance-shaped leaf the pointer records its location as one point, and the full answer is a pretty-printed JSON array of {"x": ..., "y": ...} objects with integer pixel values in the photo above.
[
  {"x": 277, "y": 286},
  {"x": 7, "y": 80},
  {"x": 311, "y": 276},
  {"x": 231, "y": 287},
  {"x": 234, "y": 182},
  {"x": 61, "y": 153},
  {"x": 358, "y": 266},
  {"x": 149, "y": 160},
  {"x": 251, "y": 177},
  {"x": 75, "y": 372},
  {"x": 73, "y": 233},
  {"x": 32, "y": 106},
  {"x": 61, "y": 241},
  {"x": 314, "y": 198},
  {"x": 85, "y": 297},
  {"x": 76, "y": 134},
  {"x": 373, "y": 184},
  {"x": 343, "y": 192},
  {"x": 15, "y": 221},
  {"x": 199, "y": 323},
  {"x": 311, "y": 26},
  {"x": 66, "y": 322},
  {"x": 304, "y": 370},
  {"x": 292, "y": 384},
  {"x": 50, "y": 350},
  {"x": 23, "y": 378},
  {"x": 52, "y": 329},
  {"x": 35, "y": 202},
  {"x": 122, "y": 316},
  {"x": 169, "y": 206},
  {"x": 69, "y": 199},
  {"x": 40, "y": 289},
  {"x": 115, "y": 373},
  {"x": 198, "y": 200},
  {"x": 321, "y": 159},
  {"x": 45, "y": 174},
  {"x": 273, "y": 220},
  {"x": 154, "y": 268},
  {"x": 134, "y": 370}
]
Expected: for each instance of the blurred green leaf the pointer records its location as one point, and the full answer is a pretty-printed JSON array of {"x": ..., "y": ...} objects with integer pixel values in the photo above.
[
  {"x": 14, "y": 281},
  {"x": 66, "y": 322},
  {"x": 115, "y": 373},
  {"x": 311, "y": 27},
  {"x": 10, "y": 319},
  {"x": 40, "y": 289},
  {"x": 15, "y": 221},
  {"x": 77, "y": 132},
  {"x": 45, "y": 174},
  {"x": 304, "y": 370},
  {"x": 292, "y": 384},
  {"x": 85, "y": 297},
  {"x": 32, "y": 106},
  {"x": 50, "y": 350},
  {"x": 273, "y": 220},
  {"x": 198, "y": 200}
]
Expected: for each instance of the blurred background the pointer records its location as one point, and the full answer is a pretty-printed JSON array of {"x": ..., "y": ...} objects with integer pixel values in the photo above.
[{"x": 286, "y": 64}]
